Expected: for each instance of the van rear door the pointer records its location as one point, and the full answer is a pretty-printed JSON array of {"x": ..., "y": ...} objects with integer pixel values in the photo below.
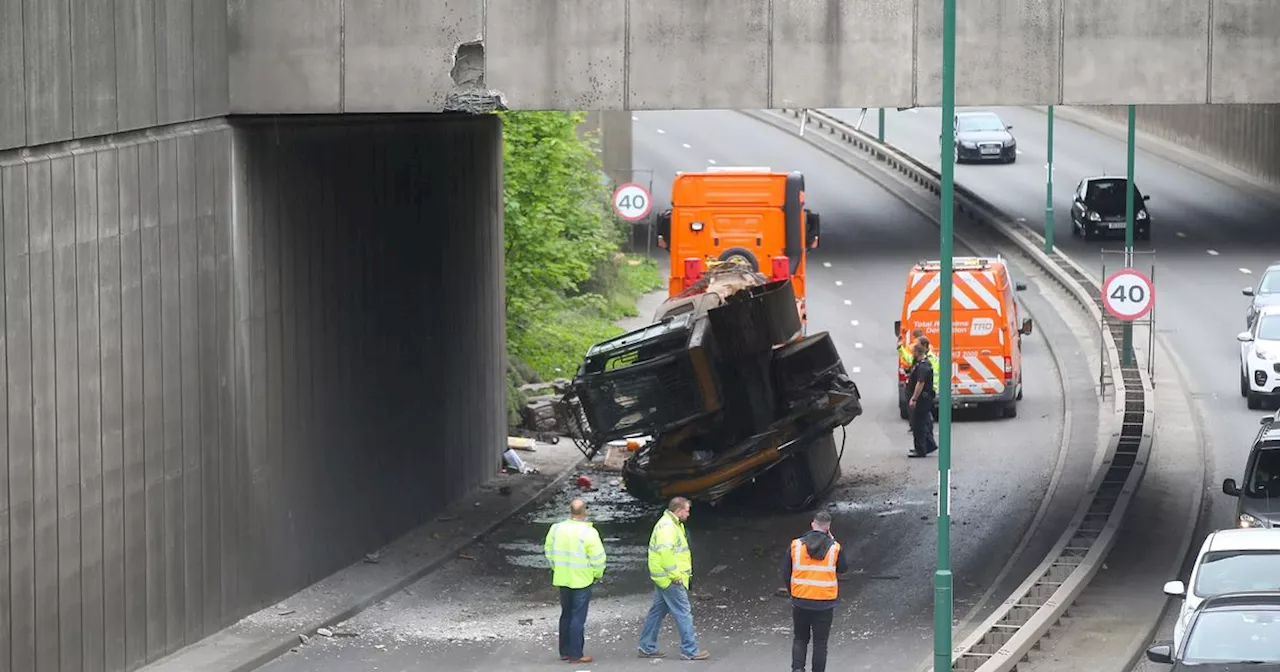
[{"x": 978, "y": 349}]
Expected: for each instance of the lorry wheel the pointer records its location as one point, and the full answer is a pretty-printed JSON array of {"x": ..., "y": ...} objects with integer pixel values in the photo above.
[{"x": 792, "y": 486}]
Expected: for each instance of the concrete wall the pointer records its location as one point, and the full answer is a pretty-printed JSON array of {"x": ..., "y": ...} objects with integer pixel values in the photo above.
[
  {"x": 224, "y": 370},
  {"x": 77, "y": 69},
  {"x": 1244, "y": 136},
  {"x": 329, "y": 55}
]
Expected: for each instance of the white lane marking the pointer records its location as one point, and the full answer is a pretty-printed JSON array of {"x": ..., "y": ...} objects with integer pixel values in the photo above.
[
  {"x": 1181, "y": 234},
  {"x": 687, "y": 146},
  {"x": 1018, "y": 151},
  {"x": 839, "y": 283},
  {"x": 711, "y": 161},
  {"x": 1246, "y": 271},
  {"x": 635, "y": 118},
  {"x": 857, "y": 345},
  {"x": 661, "y": 131},
  {"x": 826, "y": 264},
  {"x": 857, "y": 369},
  {"x": 847, "y": 302},
  {"x": 1212, "y": 253},
  {"x": 853, "y": 322}
]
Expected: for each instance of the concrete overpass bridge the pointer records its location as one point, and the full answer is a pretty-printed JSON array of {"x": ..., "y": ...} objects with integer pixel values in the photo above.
[{"x": 230, "y": 273}]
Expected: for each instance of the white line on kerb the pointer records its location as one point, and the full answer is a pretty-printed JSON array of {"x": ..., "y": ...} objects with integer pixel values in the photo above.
[
  {"x": 1246, "y": 271},
  {"x": 1212, "y": 252}
]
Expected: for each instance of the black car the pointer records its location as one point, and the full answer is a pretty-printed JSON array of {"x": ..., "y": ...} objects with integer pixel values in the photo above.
[
  {"x": 1099, "y": 208},
  {"x": 982, "y": 136},
  {"x": 1229, "y": 632},
  {"x": 1266, "y": 294},
  {"x": 1258, "y": 500}
]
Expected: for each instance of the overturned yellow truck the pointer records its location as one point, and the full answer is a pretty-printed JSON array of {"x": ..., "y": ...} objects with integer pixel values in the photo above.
[{"x": 728, "y": 388}]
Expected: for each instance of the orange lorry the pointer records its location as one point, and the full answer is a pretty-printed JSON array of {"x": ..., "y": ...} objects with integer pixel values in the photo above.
[
  {"x": 986, "y": 328},
  {"x": 749, "y": 215}
]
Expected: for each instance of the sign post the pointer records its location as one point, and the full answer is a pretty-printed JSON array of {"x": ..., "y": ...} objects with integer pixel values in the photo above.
[
  {"x": 631, "y": 201},
  {"x": 942, "y": 581},
  {"x": 1127, "y": 340}
]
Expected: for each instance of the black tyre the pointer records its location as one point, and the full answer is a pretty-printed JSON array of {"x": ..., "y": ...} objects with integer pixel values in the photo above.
[
  {"x": 791, "y": 485},
  {"x": 741, "y": 253},
  {"x": 1244, "y": 385}
]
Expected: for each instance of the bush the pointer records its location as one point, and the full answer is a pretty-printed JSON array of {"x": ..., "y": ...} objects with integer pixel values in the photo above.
[{"x": 567, "y": 282}]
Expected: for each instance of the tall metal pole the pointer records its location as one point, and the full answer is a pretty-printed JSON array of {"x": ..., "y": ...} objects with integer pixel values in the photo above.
[
  {"x": 880, "y": 133},
  {"x": 1127, "y": 337},
  {"x": 1048, "y": 191},
  {"x": 942, "y": 607}
]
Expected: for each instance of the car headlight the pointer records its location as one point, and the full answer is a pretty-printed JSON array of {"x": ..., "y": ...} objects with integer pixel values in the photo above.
[
  {"x": 1142, "y": 214},
  {"x": 1095, "y": 217},
  {"x": 1247, "y": 520},
  {"x": 968, "y": 145},
  {"x": 1266, "y": 354}
]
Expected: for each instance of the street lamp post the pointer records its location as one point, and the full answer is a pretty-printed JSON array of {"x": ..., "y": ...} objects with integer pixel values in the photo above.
[
  {"x": 1048, "y": 191},
  {"x": 1127, "y": 336},
  {"x": 942, "y": 576},
  {"x": 880, "y": 132}
]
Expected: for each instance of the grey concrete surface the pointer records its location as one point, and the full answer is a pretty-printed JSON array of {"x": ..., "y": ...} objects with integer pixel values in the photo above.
[
  {"x": 1210, "y": 238},
  {"x": 669, "y": 54},
  {"x": 1246, "y": 138},
  {"x": 264, "y": 635},
  {"x": 497, "y": 611},
  {"x": 78, "y": 70},
  {"x": 209, "y": 355}
]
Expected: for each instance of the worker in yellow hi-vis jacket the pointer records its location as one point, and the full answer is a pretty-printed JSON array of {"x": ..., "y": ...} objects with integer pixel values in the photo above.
[{"x": 577, "y": 559}]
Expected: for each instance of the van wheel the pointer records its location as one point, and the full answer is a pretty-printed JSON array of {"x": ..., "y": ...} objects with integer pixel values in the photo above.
[
  {"x": 1019, "y": 397},
  {"x": 1010, "y": 410}
]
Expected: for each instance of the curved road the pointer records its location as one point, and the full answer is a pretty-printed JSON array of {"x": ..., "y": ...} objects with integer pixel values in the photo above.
[
  {"x": 471, "y": 615},
  {"x": 1211, "y": 239}
]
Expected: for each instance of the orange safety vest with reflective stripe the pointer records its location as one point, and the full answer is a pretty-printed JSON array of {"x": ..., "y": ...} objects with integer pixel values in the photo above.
[{"x": 814, "y": 579}]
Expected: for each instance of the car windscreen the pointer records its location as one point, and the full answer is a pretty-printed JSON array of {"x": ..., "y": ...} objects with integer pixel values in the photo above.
[
  {"x": 1107, "y": 197},
  {"x": 1270, "y": 283},
  {"x": 1232, "y": 571},
  {"x": 979, "y": 123},
  {"x": 1264, "y": 481},
  {"x": 1269, "y": 328},
  {"x": 1234, "y": 635}
]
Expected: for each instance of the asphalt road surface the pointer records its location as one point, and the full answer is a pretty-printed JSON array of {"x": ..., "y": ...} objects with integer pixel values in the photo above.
[
  {"x": 498, "y": 611},
  {"x": 1211, "y": 239}
]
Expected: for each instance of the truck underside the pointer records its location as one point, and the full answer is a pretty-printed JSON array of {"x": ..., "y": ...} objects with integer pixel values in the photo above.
[{"x": 728, "y": 389}]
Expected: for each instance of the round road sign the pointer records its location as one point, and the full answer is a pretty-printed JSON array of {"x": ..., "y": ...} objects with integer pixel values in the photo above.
[
  {"x": 632, "y": 202},
  {"x": 1128, "y": 294}
]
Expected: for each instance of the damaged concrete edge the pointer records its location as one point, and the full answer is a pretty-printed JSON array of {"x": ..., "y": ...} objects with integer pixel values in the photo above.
[
  {"x": 247, "y": 656},
  {"x": 468, "y": 93}
]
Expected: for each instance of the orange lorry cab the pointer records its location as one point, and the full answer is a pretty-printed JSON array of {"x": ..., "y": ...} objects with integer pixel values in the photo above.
[
  {"x": 987, "y": 330},
  {"x": 749, "y": 215}
]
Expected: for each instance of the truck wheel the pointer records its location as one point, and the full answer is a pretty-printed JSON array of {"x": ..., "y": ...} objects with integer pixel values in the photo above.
[
  {"x": 741, "y": 253},
  {"x": 791, "y": 484},
  {"x": 824, "y": 465}
]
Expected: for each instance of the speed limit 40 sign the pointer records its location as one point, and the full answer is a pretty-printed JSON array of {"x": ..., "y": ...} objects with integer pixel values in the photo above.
[
  {"x": 632, "y": 202},
  {"x": 1128, "y": 294}
]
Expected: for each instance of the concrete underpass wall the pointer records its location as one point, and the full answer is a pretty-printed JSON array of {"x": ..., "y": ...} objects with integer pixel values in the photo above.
[
  {"x": 235, "y": 359},
  {"x": 1244, "y": 136}
]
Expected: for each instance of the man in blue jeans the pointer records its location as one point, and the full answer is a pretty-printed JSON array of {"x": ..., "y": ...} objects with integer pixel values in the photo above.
[
  {"x": 577, "y": 559},
  {"x": 670, "y": 569}
]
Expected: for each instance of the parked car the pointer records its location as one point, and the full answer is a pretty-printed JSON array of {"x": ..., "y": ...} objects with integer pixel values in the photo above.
[
  {"x": 983, "y": 136},
  {"x": 1099, "y": 208},
  {"x": 1267, "y": 293},
  {"x": 1260, "y": 358},
  {"x": 1230, "y": 561},
  {"x": 1231, "y": 632},
  {"x": 1258, "y": 501}
]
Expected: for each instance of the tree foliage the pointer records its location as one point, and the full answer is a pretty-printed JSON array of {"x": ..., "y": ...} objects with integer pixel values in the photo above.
[{"x": 558, "y": 228}]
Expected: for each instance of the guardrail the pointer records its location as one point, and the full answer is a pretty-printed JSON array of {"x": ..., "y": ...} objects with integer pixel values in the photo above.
[{"x": 1017, "y": 626}]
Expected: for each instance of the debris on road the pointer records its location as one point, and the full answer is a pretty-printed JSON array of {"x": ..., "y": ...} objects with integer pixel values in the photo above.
[
  {"x": 464, "y": 556},
  {"x": 324, "y": 632}
]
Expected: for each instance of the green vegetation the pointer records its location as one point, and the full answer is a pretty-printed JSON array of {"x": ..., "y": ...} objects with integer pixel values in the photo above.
[{"x": 567, "y": 281}]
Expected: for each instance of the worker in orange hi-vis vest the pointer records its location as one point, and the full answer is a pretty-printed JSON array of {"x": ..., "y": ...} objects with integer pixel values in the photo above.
[{"x": 814, "y": 562}]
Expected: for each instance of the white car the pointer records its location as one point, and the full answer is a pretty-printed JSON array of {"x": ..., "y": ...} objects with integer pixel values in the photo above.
[
  {"x": 1230, "y": 560},
  {"x": 1260, "y": 358}
]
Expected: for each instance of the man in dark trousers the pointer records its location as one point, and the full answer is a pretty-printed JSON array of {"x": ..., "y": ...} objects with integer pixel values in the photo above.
[
  {"x": 920, "y": 388},
  {"x": 813, "y": 563}
]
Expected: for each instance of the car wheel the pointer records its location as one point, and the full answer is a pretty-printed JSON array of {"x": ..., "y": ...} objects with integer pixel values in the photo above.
[
  {"x": 955, "y": 154},
  {"x": 1244, "y": 385},
  {"x": 1254, "y": 401}
]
